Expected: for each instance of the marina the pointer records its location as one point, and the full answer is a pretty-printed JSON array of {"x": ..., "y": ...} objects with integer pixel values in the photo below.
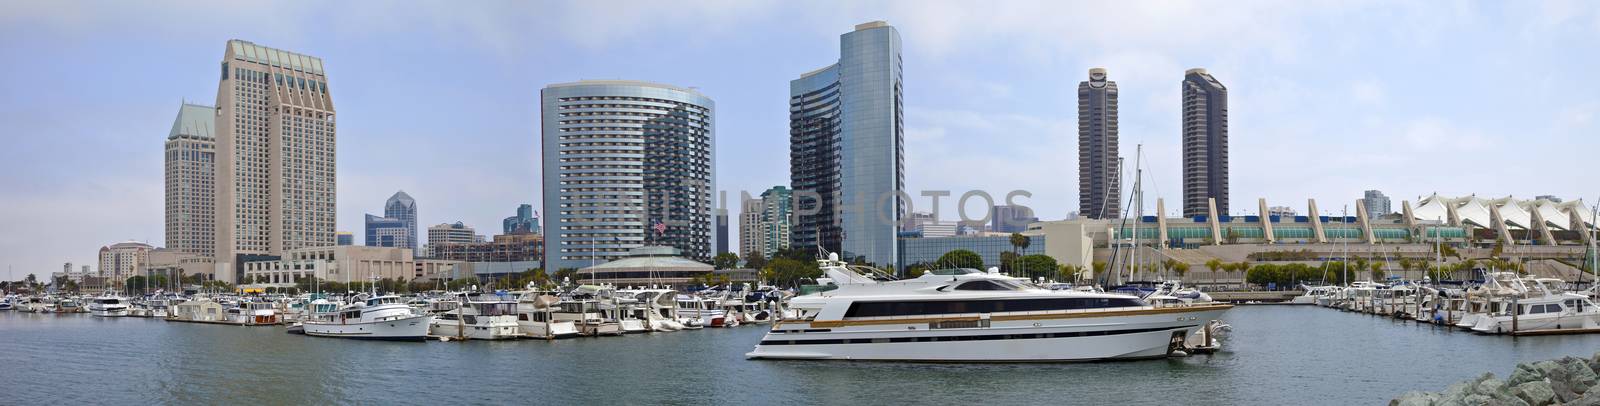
[{"x": 1307, "y": 355}]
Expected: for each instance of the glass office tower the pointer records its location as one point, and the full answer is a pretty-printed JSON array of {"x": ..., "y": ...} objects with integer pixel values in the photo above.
[{"x": 846, "y": 153}]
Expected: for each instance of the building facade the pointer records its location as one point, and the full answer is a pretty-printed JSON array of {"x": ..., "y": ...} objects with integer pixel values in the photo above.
[
  {"x": 504, "y": 248},
  {"x": 342, "y": 264},
  {"x": 385, "y": 232},
  {"x": 1010, "y": 219},
  {"x": 191, "y": 163},
  {"x": 1205, "y": 143},
  {"x": 402, "y": 209},
  {"x": 526, "y": 221},
  {"x": 457, "y": 233},
  {"x": 275, "y": 130},
  {"x": 626, "y": 163},
  {"x": 765, "y": 224},
  {"x": 1099, "y": 183},
  {"x": 722, "y": 231},
  {"x": 1377, "y": 203},
  {"x": 123, "y": 260},
  {"x": 345, "y": 238},
  {"x": 928, "y": 250},
  {"x": 847, "y": 148}
]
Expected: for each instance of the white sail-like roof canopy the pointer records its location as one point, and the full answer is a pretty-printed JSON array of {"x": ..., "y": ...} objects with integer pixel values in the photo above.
[
  {"x": 1474, "y": 210},
  {"x": 1552, "y": 215},
  {"x": 1513, "y": 213},
  {"x": 1432, "y": 208}
]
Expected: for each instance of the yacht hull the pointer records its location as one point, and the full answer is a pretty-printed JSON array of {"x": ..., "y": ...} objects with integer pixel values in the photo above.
[
  {"x": 1024, "y": 338},
  {"x": 408, "y": 329},
  {"x": 484, "y": 330}
]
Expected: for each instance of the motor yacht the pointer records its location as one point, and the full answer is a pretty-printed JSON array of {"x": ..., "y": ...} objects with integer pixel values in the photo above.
[
  {"x": 534, "y": 317},
  {"x": 1548, "y": 307},
  {"x": 70, "y": 305},
  {"x": 586, "y": 314},
  {"x": 378, "y": 318},
  {"x": 109, "y": 304},
  {"x": 1313, "y": 293},
  {"x": 965, "y": 315},
  {"x": 480, "y": 317},
  {"x": 8, "y": 303}
]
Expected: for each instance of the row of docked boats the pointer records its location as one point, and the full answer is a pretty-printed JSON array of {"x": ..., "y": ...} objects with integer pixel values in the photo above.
[
  {"x": 1503, "y": 303},
  {"x": 108, "y": 304}
]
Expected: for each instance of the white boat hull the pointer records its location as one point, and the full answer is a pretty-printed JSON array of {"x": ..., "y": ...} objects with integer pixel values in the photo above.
[
  {"x": 492, "y": 330},
  {"x": 1547, "y": 321},
  {"x": 414, "y": 328},
  {"x": 539, "y": 329},
  {"x": 115, "y": 312},
  {"x": 1057, "y": 340}
]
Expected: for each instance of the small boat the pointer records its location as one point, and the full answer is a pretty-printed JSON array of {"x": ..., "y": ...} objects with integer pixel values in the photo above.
[
  {"x": 109, "y": 304},
  {"x": 534, "y": 317},
  {"x": 378, "y": 318},
  {"x": 69, "y": 305}
]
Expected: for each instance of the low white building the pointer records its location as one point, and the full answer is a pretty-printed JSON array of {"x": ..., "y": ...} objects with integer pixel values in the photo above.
[{"x": 345, "y": 263}]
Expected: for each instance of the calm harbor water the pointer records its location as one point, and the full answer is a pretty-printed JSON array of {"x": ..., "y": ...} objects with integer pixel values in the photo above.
[{"x": 1277, "y": 355}]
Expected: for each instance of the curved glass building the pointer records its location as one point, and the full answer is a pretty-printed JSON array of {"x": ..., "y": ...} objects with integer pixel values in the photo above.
[
  {"x": 846, "y": 148},
  {"x": 625, "y": 164}
]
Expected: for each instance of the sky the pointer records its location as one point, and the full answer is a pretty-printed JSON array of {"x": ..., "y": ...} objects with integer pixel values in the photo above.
[{"x": 440, "y": 99}]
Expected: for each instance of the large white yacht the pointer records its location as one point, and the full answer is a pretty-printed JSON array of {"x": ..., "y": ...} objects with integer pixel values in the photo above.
[
  {"x": 1547, "y": 307},
  {"x": 481, "y": 317},
  {"x": 109, "y": 304},
  {"x": 965, "y": 315},
  {"x": 534, "y": 317},
  {"x": 378, "y": 318}
]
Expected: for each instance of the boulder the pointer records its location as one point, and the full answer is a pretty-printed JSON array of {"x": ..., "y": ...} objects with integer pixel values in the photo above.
[
  {"x": 1546, "y": 367},
  {"x": 1580, "y": 371},
  {"x": 1415, "y": 398},
  {"x": 1536, "y": 393},
  {"x": 1490, "y": 386},
  {"x": 1476, "y": 399},
  {"x": 1592, "y": 399},
  {"x": 1565, "y": 391},
  {"x": 1523, "y": 374}
]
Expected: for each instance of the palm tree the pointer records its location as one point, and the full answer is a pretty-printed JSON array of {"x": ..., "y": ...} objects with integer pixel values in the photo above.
[
  {"x": 1019, "y": 242},
  {"x": 1214, "y": 264}
]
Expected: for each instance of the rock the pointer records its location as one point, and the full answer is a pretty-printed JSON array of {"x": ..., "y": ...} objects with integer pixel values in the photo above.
[
  {"x": 1415, "y": 398},
  {"x": 1490, "y": 386},
  {"x": 1455, "y": 392},
  {"x": 1535, "y": 393},
  {"x": 1524, "y": 374},
  {"x": 1592, "y": 399},
  {"x": 1476, "y": 399},
  {"x": 1565, "y": 391},
  {"x": 1546, "y": 367},
  {"x": 1580, "y": 371}
]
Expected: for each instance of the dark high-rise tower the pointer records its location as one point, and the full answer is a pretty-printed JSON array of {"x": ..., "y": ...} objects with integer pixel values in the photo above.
[
  {"x": 1099, "y": 187},
  {"x": 1205, "y": 143},
  {"x": 847, "y": 148}
]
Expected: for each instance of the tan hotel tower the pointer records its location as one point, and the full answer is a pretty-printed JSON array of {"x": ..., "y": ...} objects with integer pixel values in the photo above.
[{"x": 275, "y": 155}]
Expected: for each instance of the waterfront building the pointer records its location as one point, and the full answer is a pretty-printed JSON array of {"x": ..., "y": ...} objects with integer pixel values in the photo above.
[
  {"x": 937, "y": 229},
  {"x": 914, "y": 220},
  {"x": 332, "y": 263},
  {"x": 526, "y": 221},
  {"x": 766, "y": 224},
  {"x": 176, "y": 264},
  {"x": 1099, "y": 183},
  {"x": 385, "y": 232},
  {"x": 847, "y": 148},
  {"x": 457, "y": 233},
  {"x": 1010, "y": 219},
  {"x": 122, "y": 260},
  {"x": 1281, "y": 211},
  {"x": 722, "y": 230},
  {"x": 275, "y": 143},
  {"x": 503, "y": 248},
  {"x": 1377, "y": 204},
  {"x": 657, "y": 266},
  {"x": 928, "y": 250},
  {"x": 626, "y": 163},
  {"x": 345, "y": 238},
  {"x": 190, "y": 169},
  {"x": 1205, "y": 143}
]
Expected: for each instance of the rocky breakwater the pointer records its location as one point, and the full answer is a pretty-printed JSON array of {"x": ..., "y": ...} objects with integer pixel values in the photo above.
[{"x": 1565, "y": 381}]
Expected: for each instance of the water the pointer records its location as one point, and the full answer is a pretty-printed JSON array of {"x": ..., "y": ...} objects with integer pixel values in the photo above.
[{"x": 1277, "y": 355}]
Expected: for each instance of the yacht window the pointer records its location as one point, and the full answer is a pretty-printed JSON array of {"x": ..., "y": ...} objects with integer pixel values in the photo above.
[
  {"x": 982, "y": 285},
  {"x": 881, "y": 309}
]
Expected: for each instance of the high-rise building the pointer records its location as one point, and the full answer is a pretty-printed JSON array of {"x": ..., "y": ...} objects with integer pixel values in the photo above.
[
  {"x": 722, "y": 230},
  {"x": 1099, "y": 183},
  {"x": 1205, "y": 143},
  {"x": 765, "y": 225},
  {"x": 847, "y": 148},
  {"x": 275, "y": 181},
  {"x": 385, "y": 232},
  {"x": 191, "y": 160},
  {"x": 457, "y": 233},
  {"x": 1010, "y": 219},
  {"x": 1377, "y": 203},
  {"x": 345, "y": 238},
  {"x": 626, "y": 164},
  {"x": 122, "y": 260},
  {"x": 402, "y": 207},
  {"x": 913, "y": 221},
  {"x": 526, "y": 221}
]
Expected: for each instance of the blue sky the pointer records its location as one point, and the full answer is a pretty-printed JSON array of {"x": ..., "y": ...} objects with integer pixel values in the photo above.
[{"x": 440, "y": 98}]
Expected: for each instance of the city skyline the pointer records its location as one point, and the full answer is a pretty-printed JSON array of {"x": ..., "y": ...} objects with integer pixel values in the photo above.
[{"x": 1391, "y": 114}]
